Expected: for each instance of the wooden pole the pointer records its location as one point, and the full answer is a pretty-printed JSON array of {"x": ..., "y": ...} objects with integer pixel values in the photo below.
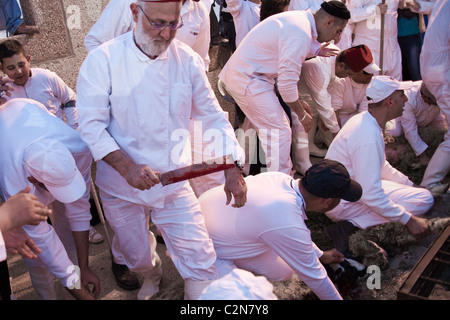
[{"x": 382, "y": 41}]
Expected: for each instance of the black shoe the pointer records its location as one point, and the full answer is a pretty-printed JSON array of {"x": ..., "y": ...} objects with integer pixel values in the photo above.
[{"x": 124, "y": 277}]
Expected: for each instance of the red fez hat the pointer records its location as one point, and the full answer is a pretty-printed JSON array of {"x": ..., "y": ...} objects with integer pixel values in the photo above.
[{"x": 360, "y": 58}]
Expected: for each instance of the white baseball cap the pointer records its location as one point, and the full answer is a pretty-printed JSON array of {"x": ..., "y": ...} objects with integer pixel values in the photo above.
[
  {"x": 52, "y": 164},
  {"x": 382, "y": 87}
]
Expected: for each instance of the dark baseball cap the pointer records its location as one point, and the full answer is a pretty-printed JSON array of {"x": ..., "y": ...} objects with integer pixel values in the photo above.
[{"x": 330, "y": 179}]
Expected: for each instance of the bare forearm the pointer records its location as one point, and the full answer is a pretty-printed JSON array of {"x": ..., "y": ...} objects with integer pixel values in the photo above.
[
  {"x": 81, "y": 239},
  {"x": 297, "y": 107},
  {"x": 119, "y": 161},
  {"x": 139, "y": 176},
  {"x": 304, "y": 117}
]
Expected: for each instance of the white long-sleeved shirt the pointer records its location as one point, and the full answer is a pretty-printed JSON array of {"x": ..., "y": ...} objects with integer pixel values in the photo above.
[
  {"x": 245, "y": 16},
  {"x": 271, "y": 220},
  {"x": 117, "y": 19},
  {"x": 22, "y": 122},
  {"x": 274, "y": 49},
  {"x": 143, "y": 107},
  {"x": 49, "y": 89},
  {"x": 366, "y": 17},
  {"x": 435, "y": 55},
  {"x": 359, "y": 146},
  {"x": 348, "y": 98},
  {"x": 317, "y": 79},
  {"x": 417, "y": 113}
]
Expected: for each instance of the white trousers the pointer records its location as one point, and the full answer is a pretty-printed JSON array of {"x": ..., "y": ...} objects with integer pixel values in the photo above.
[
  {"x": 181, "y": 224},
  {"x": 271, "y": 123},
  {"x": 439, "y": 165},
  {"x": 416, "y": 201}
]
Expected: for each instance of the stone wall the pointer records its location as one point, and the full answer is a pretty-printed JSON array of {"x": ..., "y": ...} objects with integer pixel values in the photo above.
[{"x": 63, "y": 25}]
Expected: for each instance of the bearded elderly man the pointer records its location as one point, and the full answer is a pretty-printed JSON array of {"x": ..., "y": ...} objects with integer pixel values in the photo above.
[{"x": 137, "y": 94}]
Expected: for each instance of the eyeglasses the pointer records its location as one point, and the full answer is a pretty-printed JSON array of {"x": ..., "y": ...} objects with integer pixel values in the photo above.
[{"x": 162, "y": 26}]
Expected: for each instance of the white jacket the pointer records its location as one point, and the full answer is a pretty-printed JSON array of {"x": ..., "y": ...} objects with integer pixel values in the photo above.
[
  {"x": 143, "y": 107},
  {"x": 360, "y": 147}
]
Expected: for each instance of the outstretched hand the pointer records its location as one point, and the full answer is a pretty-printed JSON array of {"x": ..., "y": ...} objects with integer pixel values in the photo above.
[
  {"x": 326, "y": 51},
  {"x": 17, "y": 241}
]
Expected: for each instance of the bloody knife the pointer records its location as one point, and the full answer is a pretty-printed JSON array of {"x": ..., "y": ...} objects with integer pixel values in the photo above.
[{"x": 197, "y": 170}]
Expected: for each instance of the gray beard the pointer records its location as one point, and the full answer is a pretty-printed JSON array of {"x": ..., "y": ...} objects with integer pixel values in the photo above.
[{"x": 150, "y": 47}]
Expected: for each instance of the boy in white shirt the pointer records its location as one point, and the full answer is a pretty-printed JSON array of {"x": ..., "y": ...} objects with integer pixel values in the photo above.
[{"x": 38, "y": 84}]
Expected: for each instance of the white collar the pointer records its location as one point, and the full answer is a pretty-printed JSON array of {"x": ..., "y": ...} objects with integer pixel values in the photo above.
[{"x": 300, "y": 200}]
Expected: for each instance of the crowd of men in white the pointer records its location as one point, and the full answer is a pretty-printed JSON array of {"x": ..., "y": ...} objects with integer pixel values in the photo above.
[{"x": 311, "y": 73}]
